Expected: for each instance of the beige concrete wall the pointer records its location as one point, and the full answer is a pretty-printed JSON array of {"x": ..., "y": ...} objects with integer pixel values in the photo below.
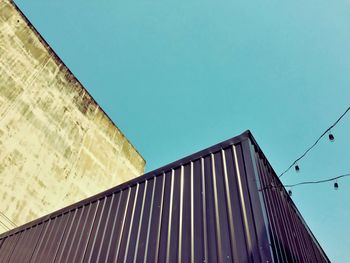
[{"x": 56, "y": 144}]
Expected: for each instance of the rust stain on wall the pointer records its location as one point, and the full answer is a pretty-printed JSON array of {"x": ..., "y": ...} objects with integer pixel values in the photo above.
[{"x": 57, "y": 146}]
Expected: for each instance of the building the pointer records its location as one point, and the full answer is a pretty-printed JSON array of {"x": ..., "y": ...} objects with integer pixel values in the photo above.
[
  {"x": 57, "y": 146},
  {"x": 222, "y": 204}
]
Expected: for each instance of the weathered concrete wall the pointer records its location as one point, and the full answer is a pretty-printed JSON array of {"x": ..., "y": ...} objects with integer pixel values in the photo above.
[{"x": 56, "y": 145}]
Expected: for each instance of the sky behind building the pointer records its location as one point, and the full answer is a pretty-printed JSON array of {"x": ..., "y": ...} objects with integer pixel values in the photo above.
[{"x": 178, "y": 76}]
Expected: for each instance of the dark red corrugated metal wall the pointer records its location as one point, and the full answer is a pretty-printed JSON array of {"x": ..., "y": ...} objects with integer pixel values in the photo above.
[
  {"x": 291, "y": 238},
  {"x": 203, "y": 208}
]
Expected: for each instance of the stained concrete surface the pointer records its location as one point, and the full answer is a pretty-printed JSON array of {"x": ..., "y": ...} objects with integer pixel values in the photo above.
[{"x": 57, "y": 146}]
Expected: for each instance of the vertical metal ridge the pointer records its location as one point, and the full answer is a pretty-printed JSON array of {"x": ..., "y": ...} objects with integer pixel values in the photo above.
[
  {"x": 90, "y": 230},
  {"x": 296, "y": 236},
  {"x": 2, "y": 242},
  {"x": 284, "y": 233},
  {"x": 105, "y": 226},
  {"x": 18, "y": 236},
  {"x": 75, "y": 232},
  {"x": 179, "y": 251},
  {"x": 6, "y": 243},
  {"x": 122, "y": 226},
  {"x": 3, "y": 247},
  {"x": 160, "y": 219},
  {"x": 170, "y": 215},
  {"x": 261, "y": 221},
  {"x": 140, "y": 223},
  {"x": 35, "y": 232},
  {"x": 269, "y": 208},
  {"x": 229, "y": 209},
  {"x": 131, "y": 221},
  {"x": 204, "y": 207},
  {"x": 243, "y": 201},
  {"x": 98, "y": 224},
  {"x": 216, "y": 206},
  {"x": 44, "y": 248},
  {"x": 20, "y": 240},
  {"x": 252, "y": 207},
  {"x": 114, "y": 223},
  {"x": 60, "y": 240},
  {"x": 20, "y": 257},
  {"x": 33, "y": 239},
  {"x": 268, "y": 202},
  {"x": 309, "y": 245},
  {"x": 302, "y": 240},
  {"x": 81, "y": 233},
  {"x": 41, "y": 238},
  {"x": 288, "y": 228},
  {"x": 277, "y": 216},
  {"x": 65, "y": 242},
  {"x": 150, "y": 218},
  {"x": 51, "y": 246},
  {"x": 192, "y": 213}
]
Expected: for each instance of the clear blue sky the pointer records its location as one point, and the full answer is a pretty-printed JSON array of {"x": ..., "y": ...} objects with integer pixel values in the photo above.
[{"x": 178, "y": 76}]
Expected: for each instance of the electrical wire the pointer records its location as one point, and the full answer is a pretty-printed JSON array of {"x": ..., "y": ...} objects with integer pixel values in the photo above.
[
  {"x": 4, "y": 226},
  {"x": 8, "y": 219},
  {"x": 315, "y": 143},
  {"x": 271, "y": 186},
  {"x": 319, "y": 181}
]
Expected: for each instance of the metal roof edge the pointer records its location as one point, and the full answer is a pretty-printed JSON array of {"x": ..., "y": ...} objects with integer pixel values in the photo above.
[
  {"x": 290, "y": 200},
  {"x": 237, "y": 139}
]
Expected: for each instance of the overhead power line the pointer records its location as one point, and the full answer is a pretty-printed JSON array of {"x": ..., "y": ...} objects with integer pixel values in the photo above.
[
  {"x": 331, "y": 137},
  {"x": 319, "y": 181},
  {"x": 272, "y": 186},
  {"x": 8, "y": 219}
]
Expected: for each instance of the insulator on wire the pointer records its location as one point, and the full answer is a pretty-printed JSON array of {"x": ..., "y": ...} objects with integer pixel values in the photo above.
[
  {"x": 331, "y": 137},
  {"x": 297, "y": 168},
  {"x": 336, "y": 186}
]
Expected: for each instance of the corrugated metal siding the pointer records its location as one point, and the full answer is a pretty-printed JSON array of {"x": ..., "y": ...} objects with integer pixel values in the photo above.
[
  {"x": 291, "y": 238},
  {"x": 203, "y": 208}
]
